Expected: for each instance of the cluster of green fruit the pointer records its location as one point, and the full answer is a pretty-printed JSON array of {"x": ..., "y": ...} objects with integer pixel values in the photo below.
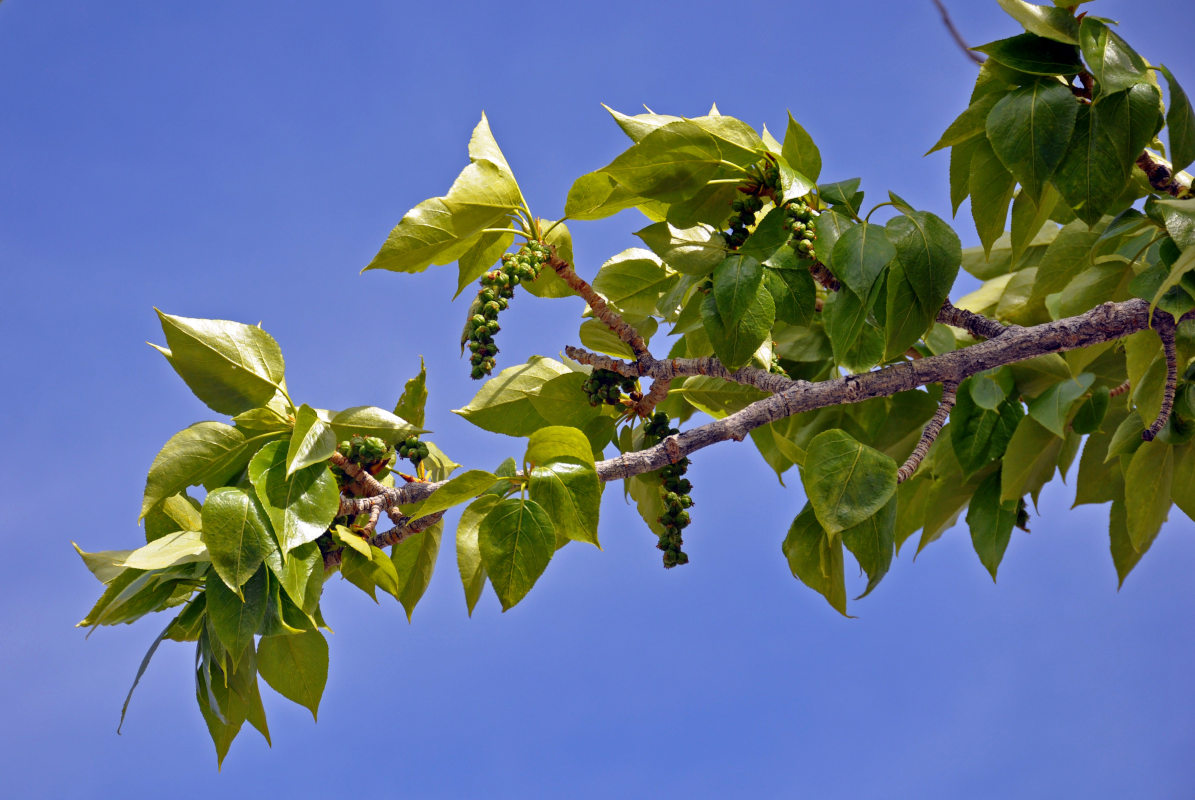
[
  {"x": 497, "y": 288},
  {"x": 606, "y": 386},
  {"x": 742, "y": 217},
  {"x": 413, "y": 450},
  {"x": 368, "y": 452},
  {"x": 674, "y": 491},
  {"x": 799, "y": 222}
]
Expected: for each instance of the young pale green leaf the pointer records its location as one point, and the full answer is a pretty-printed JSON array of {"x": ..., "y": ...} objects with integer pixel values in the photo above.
[
  {"x": 1029, "y": 460},
  {"x": 596, "y": 195},
  {"x": 414, "y": 560},
  {"x": 736, "y": 285},
  {"x": 517, "y": 540},
  {"x": 194, "y": 455},
  {"x": 235, "y": 620},
  {"x": 1035, "y": 55},
  {"x": 295, "y": 666},
  {"x": 930, "y": 252},
  {"x": 846, "y": 481},
  {"x": 571, "y": 494},
  {"x": 693, "y": 251},
  {"x": 105, "y": 565},
  {"x": 633, "y": 281},
  {"x": 369, "y": 572},
  {"x": 180, "y": 547},
  {"x": 301, "y": 505},
  {"x": 503, "y": 405},
  {"x": 872, "y": 543},
  {"x": 639, "y": 125},
  {"x": 479, "y": 258},
  {"x": 561, "y": 401},
  {"x": 371, "y": 421},
  {"x": 236, "y": 530},
  {"x": 717, "y": 397},
  {"x": 179, "y": 512},
  {"x": 991, "y": 522},
  {"x": 230, "y": 366},
  {"x": 558, "y": 443},
  {"x": 799, "y": 150},
  {"x": 312, "y": 442},
  {"x": 438, "y": 465},
  {"x": 1029, "y": 130},
  {"x": 1180, "y": 121},
  {"x": 595, "y": 335},
  {"x": 463, "y": 487},
  {"x": 1052, "y": 407},
  {"x": 736, "y": 341},
  {"x": 1114, "y": 64},
  {"x": 131, "y": 595},
  {"x": 353, "y": 541},
  {"x": 439, "y": 230},
  {"x": 860, "y": 255},
  {"x": 549, "y": 284},
  {"x": 990, "y": 186},
  {"x": 815, "y": 558},
  {"x": 670, "y": 163},
  {"x": 1047, "y": 21},
  {"x": 1147, "y": 485},
  {"x": 468, "y": 551},
  {"x": 413, "y": 400}
]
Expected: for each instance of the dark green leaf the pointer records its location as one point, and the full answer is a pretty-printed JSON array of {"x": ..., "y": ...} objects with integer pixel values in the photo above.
[
  {"x": 560, "y": 401},
  {"x": 815, "y": 558},
  {"x": 990, "y": 186},
  {"x": 1052, "y": 23},
  {"x": 735, "y": 341},
  {"x": 300, "y": 506},
  {"x": 991, "y": 522},
  {"x": 872, "y": 543},
  {"x": 1029, "y": 460},
  {"x": 1147, "y": 484},
  {"x": 233, "y": 620},
  {"x": 1035, "y": 55},
  {"x": 414, "y": 560},
  {"x": 860, "y": 255},
  {"x": 1091, "y": 412},
  {"x": 930, "y": 253},
  {"x": 969, "y": 124},
  {"x": 846, "y": 481},
  {"x": 800, "y": 151},
  {"x": 1052, "y": 407},
  {"x": 414, "y": 397},
  {"x": 981, "y": 435},
  {"x": 1114, "y": 64},
  {"x": 1180, "y": 120},
  {"x": 793, "y": 293},
  {"x": 1029, "y": 130},
  {"x": 736, "y": 285},
  {"x": 237, "y": 532},
  {"x": 195, "y": 455}
]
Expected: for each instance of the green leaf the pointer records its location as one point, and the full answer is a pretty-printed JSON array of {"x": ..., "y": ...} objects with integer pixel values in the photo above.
[
  {"x": 845, "y": 319},
  {"x": 468, "y": 551},
  {"x": 1114, "y": 64},
  {"x": 105, "y": 565},
  {"x": 693, "y": 251},
  {"x": 179, "y": 512},
  {"x": 799, "y": 150},
  {"x": 413, "y": 399},
  {"x": 1182, "y": 488},
  {"x": 1035, "y": 55},
  {"x": 195, "y": 455},
  {"x": 132, "y": 594},
  {"x": 1147, "y": 484},
  {"x": 633, "y": 281},
  {"x": 717, "y": 397},
  {"x": 1029, "y": 130},
  {"x": 440, "y": 230},
  {"x": 1126, "y": 438},
  {"x": 570, "y": 493},
  {"x": 829, "y": 226},
  {"x": 736, "y": 341},
  {"x": 233, "y": 619},
  {"x": 300, "y": 506},
  {"x": 1052, "y": 23},
  {"x": 990, "y": 186},
  {"x": 1179, "y": 218},
  {"x": 414, "y": 560},
  {"x": 736, "y": 285},
  {"x": 793, "y": 294},
  {"x": 930, "y": 252},
  {"x": 872, "y": 542},
  {"x": 372, "y": 421},
  {"x": 180, "y": 547},
  {"x": 461, "y": 488},
  {"x": 312, "y": 442},
  {"x": 596, "y": 195},
  {"x": 969, "y": 124},
  {"x": 549, "y": 284},
  {"x": 561, "y": 401},
  {"x": 1028, "y": 461},
  {"x": 672, "y": 162},
  {"x": 905, "y": 319},
  {"x": 640, "y": 125},
  {"x": 961, "y": 156},
  {"x": 295, "y": 666},
  {"x": 1091, "y": 411},
  {"x": 558, "y": 443},
  {"x": 815, "y": 558},
  {"x": 1052, "y": 407},
  {"x": 369, "y": 572},
  {"x": 438, "y": 465},
  {"x": 596, "y": 336},
  {"x": 846, "y": 481},
  {"x": 768, "y": 237},
  {"x": 1124, "y": 555},
  {"x": 503, "y": 405},
  {"x": 516, "y": 541},
  {"x": 236, "y": 530},
  {"x": 230, "y": 366},
  {"x": 860, "y": 255},
  {"x": 991, "y": 522},
  {"x": 1029, "y": 217},
  {"x": 479, "y": 258},
  {"x": 1180, "y": 120},
  {"x": 300, "y": 574},
  {"x": 1109, "y": 135},
  {"x": 350, "y": 539}
]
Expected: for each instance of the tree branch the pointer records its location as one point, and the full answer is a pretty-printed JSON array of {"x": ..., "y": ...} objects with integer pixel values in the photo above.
[
  {"x": 1164, "y": 325},
  {"x": 600, "y": 308},
  {"x": 930, "y": 434},
  {"x": 958, "y": 37},
  {"x": 977, "y": 325},
  {"x": 1161, "y": 175},
  {"x": 667, "y": 369}
]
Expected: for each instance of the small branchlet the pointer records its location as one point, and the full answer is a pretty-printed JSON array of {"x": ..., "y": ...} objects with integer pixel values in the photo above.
[
  {"x": 1163, "y": 323},
  {"x": 930, "y": 434}
]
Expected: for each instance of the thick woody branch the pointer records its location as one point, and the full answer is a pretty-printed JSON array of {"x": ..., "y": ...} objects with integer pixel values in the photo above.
[
  {"x": 655, "y": 395},
  {"x": 1164, "y": 325},
  {"x": 600, "y": 308},
  {"x": 667, "y": 369},
  {"x": 930, "y": 434}
]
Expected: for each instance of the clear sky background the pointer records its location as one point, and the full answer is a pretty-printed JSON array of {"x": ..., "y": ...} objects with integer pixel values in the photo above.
[{"x": 243, "y": 160}]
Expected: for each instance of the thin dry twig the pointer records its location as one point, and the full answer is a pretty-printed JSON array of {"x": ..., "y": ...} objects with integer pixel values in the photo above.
[{"x": 958, "y": 37}]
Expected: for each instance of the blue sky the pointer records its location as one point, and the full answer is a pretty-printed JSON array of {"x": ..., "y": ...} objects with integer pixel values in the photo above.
[{"x": 244, "y": 160}]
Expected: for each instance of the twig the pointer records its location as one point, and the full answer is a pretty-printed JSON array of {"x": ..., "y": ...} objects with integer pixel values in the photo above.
[
  {"x": 1119, "y": 390},
  {"x": 930, "y": 434},
  {"x": 1164, "y": 325},
  {"x": 655, "y": 395},
  {"x": 822, "y": 274},
  {"x": 958, "y": 37},
  {"x": 600, "y": 308},
  {"x": 976, "y": 324},
  {"x": 1161, "y": 175},
  {"x": 395, "y": 535},
  {"x": 667, "y": 369}
]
